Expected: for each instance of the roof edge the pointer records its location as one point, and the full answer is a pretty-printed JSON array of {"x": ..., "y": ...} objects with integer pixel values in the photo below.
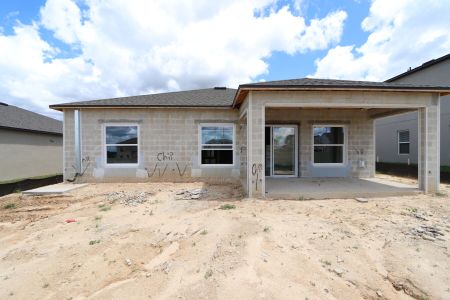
[
  {"x": 419, "y": 68},
  {"x": 343, "y": 88},
  {"x": 32, "y": 130},
  {"x": 60, "y": 107}
]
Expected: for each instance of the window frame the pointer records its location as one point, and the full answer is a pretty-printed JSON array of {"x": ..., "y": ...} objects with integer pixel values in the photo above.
[
  {"x": 408, "y": 142},
  {"x": 344, "y": 146},
  {"x": 200, "y": 144},
  {"x": 105, "y": 145}
]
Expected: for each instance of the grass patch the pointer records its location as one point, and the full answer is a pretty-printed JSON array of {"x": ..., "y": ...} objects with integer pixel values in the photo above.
[
  {"x": 445, "y": 169},
  {"x": 104, "y": 207},
  {"x": 411, "y": 209},
  {"x": 208, "y": 274},
  {"x": 227, "y": 206},
  {"x": 325, "y": 262},
  {"x": 266, "y": 229},
  {"x": 93, "y": 242},
  {"x": 9, "y": 206},
  {"x": 204, "y": 232}
]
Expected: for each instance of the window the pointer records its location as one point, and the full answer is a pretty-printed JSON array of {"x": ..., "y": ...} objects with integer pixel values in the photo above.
[
  {"x": 216, "y": 144},
  {"x": 403, "y": 142},
  {"x": 121, "y": 144},
  {"x": 328, "y": 144}
]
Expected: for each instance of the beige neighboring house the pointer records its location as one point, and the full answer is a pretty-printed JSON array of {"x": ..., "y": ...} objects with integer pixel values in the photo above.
[
  {"x": 31, "y": 144},
  {"x": 260, "y": 134}
]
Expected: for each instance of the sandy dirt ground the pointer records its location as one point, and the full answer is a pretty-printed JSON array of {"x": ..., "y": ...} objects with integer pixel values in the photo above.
[{"x": 150, "y": 241}]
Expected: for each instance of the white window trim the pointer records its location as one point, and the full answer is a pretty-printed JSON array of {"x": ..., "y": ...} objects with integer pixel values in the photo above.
[
  {"x": 344, "y": 146},
  {"x": 408, "y": 142},
  {"x": 233, "y": 145},
  {"x": 104, "y": 145}
]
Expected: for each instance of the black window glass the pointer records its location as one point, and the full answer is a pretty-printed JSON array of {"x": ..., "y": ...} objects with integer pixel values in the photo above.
[
  {"x": 122, "y": 154},
  {"x": 217, "y": 157},
  {"x": 404, "y": 148},
  {"x": 328, "y": 154}
]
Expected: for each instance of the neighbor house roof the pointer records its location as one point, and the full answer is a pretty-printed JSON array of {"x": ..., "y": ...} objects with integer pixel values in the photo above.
[
  {"x": 312, "y": 84},
  {"x": 213, "y": 97},
  {"x": 421, "y": 67},
  {"x": 13, "y": 117}
]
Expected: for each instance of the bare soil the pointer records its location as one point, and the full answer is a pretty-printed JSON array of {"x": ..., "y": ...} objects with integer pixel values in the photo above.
[{"x": 144, "y": 241}]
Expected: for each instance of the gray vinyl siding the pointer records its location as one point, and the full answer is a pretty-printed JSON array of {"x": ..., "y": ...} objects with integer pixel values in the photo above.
[{"x": 387, "y": 128}]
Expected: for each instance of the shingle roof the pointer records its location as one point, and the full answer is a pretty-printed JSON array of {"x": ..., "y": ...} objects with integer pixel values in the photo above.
[
  {"x": 20, "y": 119},
  {"x": 214, "y": 97},
  {"x": 334, "y": 83},
  {"x": 421, "y": 67}
]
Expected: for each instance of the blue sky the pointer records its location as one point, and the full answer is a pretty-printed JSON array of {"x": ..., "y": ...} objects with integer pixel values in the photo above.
[{"x": 54, "y": 51}]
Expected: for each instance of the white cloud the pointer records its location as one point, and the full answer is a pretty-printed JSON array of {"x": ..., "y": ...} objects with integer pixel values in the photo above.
[
  {"x": 403, "y": 34},
  {"x": 137, "y": 46}
]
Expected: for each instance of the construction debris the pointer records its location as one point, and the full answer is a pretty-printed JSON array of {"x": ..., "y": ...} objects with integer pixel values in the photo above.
[
  {"x": 429, "y": 233},
  {"x": 190, "y": 194},
  {"x": 362, "y": 200},
  {"x": 130, "y": 199}
]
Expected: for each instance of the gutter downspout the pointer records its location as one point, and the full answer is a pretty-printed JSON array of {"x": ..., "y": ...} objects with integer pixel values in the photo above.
[{"x": 77, "y": 127}]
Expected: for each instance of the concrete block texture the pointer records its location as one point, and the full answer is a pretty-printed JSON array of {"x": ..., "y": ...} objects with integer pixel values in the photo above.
[
  {"x": 307, "y": 108},
  {"x": 429, "y": 147},
  {"x": 168, "y": 145}
]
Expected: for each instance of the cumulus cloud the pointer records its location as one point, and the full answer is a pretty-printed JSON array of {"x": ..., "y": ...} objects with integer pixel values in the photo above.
[
  {"x": 127, "y": 47},
  {"x": 402, "y": 34}
]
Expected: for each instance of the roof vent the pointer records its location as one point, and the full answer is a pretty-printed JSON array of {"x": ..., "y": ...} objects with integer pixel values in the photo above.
[
  {"x": 220, "y": 87},
  {"x": 3, "y": 104}
]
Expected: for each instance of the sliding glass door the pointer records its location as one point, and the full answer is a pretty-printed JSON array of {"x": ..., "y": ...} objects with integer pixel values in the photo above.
[{"x": 281, "y": 150}]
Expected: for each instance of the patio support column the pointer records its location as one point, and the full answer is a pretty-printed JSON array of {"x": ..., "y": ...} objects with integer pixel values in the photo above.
[
  {"x": 429, "y": 148},
  {"x": 256, "y": 121}
]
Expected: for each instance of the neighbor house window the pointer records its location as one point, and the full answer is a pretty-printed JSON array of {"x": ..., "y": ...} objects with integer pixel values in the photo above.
[
  {"x": 403, "y": 142},
  {"x": 121, "y": 144},
  {"x": 216, "y": 144},
  {"x": 328, "y": 144}
]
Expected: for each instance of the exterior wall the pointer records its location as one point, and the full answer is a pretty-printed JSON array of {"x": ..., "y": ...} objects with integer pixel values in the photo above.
[
  {"x": 28, "y": 154},
  {"x": 429, "y": 140},
  {"x": 168, "y": 144},
  {"x": 387, "y": 138},
  {"x": 387, "y": 128},
  {"x": 258, "y": 101},
  {"x": 359, "y": 139}
]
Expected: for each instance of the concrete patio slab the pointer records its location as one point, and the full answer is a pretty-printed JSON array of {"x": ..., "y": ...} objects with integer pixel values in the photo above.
[
  {"x": 329, "y": 188},
  {"x": 54, "y": 189}
]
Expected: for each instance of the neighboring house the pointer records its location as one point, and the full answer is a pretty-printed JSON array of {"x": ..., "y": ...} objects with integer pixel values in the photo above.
[
  {"x": 283, "y": 129},
  {"x": 397, "y": 136},
  {"x": 31, "y": 144}
]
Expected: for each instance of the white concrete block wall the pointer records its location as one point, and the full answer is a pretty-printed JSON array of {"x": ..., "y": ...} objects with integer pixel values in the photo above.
[
  {"x": 257, "y": 101},
  {"x": 359, "y": 130},
  {"x": 173, "y": 132},
  {"x": 429, "y": 147}
]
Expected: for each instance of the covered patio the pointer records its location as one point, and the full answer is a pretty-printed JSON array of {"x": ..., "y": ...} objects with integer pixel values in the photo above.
[
  {"x": 329, "y": 188},
  {"x": 319, "y": 142}
]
